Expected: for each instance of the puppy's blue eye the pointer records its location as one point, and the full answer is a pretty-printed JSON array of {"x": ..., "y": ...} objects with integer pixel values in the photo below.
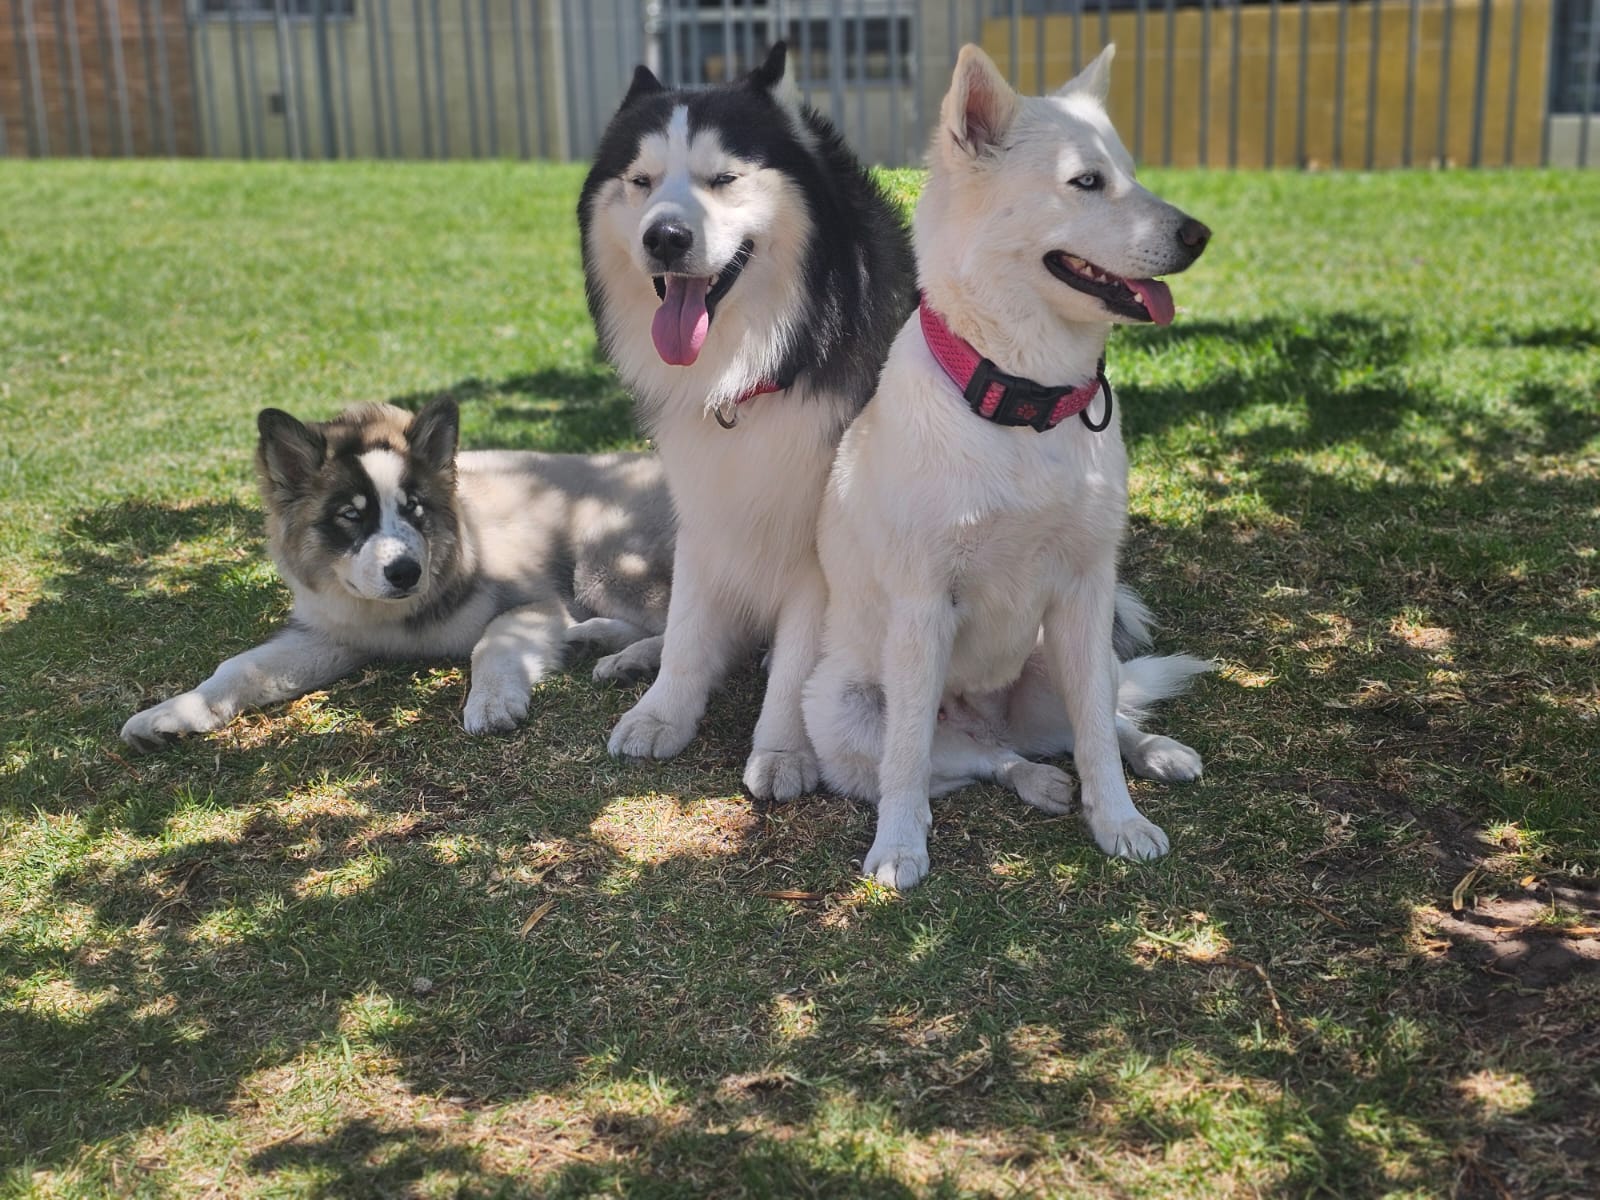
[
  {"x": 723, "y": 180},
  {"x": 1089, "y": 181},
  {"x": 350, "y": 513}
]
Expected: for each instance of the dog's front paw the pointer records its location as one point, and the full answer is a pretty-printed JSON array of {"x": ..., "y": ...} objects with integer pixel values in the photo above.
[
  {"x": 642, "y": 734},
  {"x": 1130, "y": 837},
  {"x": 1047, "y": 788},
  {"x": 900, "y": 865},
  {"x": 1165, "y": 760},
  {"x": 780, "y": 774},
  {"x": 494, "y": 706},
  {"x": 631, "y": 664},
  {"x": 156, "y": 726}
]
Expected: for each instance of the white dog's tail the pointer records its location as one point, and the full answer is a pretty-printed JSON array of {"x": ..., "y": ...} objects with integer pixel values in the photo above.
[{"x": 1146, "y": 681}]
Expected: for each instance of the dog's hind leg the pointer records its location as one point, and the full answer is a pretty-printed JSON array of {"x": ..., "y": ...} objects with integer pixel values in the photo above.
[{"x": 513, "y": 654}]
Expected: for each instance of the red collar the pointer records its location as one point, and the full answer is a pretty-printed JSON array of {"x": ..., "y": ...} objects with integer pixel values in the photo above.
[
  {"x": 1009, "y": 399},
  {"x": 765, "y": 388}
]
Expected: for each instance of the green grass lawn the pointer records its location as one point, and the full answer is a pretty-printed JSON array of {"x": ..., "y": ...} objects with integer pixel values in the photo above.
[{"x": 300, "y": 957}]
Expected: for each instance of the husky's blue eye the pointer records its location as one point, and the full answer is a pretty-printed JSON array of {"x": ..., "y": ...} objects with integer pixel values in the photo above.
[
  {"x": 640, "y": 181},
  {"x": 350, "y": 513},
  {"x": 1089, "y": 181},
  {"x": 723, "y": 180}
]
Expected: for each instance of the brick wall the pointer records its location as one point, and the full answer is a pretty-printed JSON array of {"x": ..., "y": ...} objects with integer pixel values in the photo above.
[{"x": 39, "y": 67}]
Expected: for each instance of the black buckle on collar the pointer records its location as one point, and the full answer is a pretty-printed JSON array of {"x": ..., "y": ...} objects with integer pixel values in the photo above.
[{"x": 1024, "y": 402}]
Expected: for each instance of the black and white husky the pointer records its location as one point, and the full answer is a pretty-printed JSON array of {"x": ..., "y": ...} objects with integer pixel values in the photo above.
[
  {"x": 746, "y": 277},
  {"x": 396, "y": 546}
]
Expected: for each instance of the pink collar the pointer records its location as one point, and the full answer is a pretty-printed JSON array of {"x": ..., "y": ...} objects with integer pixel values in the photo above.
[
  {"x": 765, "y": 388},
  {"x": 1009, "y": 399}
]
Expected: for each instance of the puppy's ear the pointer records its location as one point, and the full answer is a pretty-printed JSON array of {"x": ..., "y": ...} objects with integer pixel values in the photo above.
[
  {"x": 979, "y": 107},
  {"x": 644, "y": 83},
  {"x": 289, "y": 454},
  {"x": 1094, "y": 80},
  {"x": 433, "y": 435}
]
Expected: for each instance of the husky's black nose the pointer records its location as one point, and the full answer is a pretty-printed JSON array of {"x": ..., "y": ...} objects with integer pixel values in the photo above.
[
  {"x": 1194, "y": 236},
  {"x": 403, "y": 573},
  {"x": 668, "y": 241}
]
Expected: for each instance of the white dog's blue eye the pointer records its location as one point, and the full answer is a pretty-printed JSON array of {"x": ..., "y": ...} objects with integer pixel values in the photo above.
[
  {"x": 723, "y": 180},
  {"x": 1089, "y": 181}
]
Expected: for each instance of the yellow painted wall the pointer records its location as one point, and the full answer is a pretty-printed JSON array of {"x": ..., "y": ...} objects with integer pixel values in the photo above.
[{"x": 1254, "y": 28}]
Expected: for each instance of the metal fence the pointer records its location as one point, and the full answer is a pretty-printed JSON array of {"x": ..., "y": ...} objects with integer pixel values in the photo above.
[{"x": 1339, "y": 83}]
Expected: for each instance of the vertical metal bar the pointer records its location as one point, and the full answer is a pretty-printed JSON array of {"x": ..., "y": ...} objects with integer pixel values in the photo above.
[
  {"x": 340, "y": 32},
  {"x": 1412, "y": 44},
  {"x": 594, "y": 84},
  {"x": 896, "y": 133},
  {"x": 1480, "y": 80},
  {"x": 302, "y": 108},
  {"x": 675, "y": 32},
  {"x": 1138, "y": 79},
  {"x": 1511, "y": 84},
  {"x": 490, "y": 95},
  {"x": 380, "y": 140},
  {"x": 286, "y": 82},
  {"x": 1040, "y": 86},
  {"x": 1340, "y": 62},
  {"x": 1304, "y": 91},
  {"x": 441, "y": 109},
  {"x": 836, "y": 58},
  {"x": 254, "y": 106},
  {"x": 622, "y": 42},
  {"x": 859, "y": 40},
  {"x": 424, "y": 109},
  {"x": 1205, "y": 82},
  {"x": 1011, "y": 40},
  {"x": 324, "y": 59},
  {"x": 1077, "y": 37},
  {"x": 751, "y": 46},
  {"x": 207, "y": 76},
  {"x": 730, "y": 66},
  {"x": 147, "y": 50},
  {"x": 169, "y": 132},
  {"x": 119, "y": 76},
  {"x": 1233, "y": 86},
  {"x": 804, "y": 74},
  {"x": 36, "y": 132},
  {"x": 1589, "y": 84},
  {"x": 919, "y": 49},
  {"x": 537, "y": 14},
  {"x": 472, "y": 76},
  {"x": 67, "y": 24},
  {"x": 1269, "y": 151},
  {"x": 1105, "y": 23},
  {"x": 1373, "y": 55},
  {"x": 1444, "y": 83},
  {"x": 246, "y": 143},
  {"x": 1167, "y": 89},
  {"x": 524, "y": 149}
]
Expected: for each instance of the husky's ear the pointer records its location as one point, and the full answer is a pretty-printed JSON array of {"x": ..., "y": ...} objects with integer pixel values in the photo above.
[
  {"x": 433, "y": 434},
  {"x": 769, "y": 75},
  {"x": 644, "y": 83},
  {"x": 1095, "y": 79},
  {"x": 980, "y": 106},
  {"x": 289, "y": 455}
]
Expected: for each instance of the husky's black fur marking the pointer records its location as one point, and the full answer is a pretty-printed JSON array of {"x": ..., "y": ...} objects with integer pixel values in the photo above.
[{"x": 859, "y": 277}]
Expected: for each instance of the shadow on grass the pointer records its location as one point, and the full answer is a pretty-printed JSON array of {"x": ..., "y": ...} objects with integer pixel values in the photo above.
[
  {"x": 555, "y": 410},
  {"x": 327, "y": 917}
]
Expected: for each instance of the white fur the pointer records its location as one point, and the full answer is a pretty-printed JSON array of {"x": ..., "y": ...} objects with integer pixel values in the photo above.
[{"x": 972, "y": 567}]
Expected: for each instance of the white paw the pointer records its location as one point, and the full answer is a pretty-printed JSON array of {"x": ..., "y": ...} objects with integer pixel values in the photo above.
[
  {"x": 897, "y": 865},
  {"x": 1047, "y": 788},
  {"x": 1166, "y": 760},
  {"x": 1131, "y": 837},
  {"x": 495, "y": 706},
  {"x": 643, "y": 734},
  {"x": 628, "y": 665},
  {"x": 155, "y": 727},
  {"x": 780, "y": 774}
]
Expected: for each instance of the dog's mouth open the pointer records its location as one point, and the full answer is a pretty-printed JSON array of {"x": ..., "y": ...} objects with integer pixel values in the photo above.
[
  {"x": 688, "y": 302},
  {"x": 1139, "y": 299}
]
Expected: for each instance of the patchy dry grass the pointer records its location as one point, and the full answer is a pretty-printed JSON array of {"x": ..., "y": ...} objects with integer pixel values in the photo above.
[{"x": 342, "y": 949}]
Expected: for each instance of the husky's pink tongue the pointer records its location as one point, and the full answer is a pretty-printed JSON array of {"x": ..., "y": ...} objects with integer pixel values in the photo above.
[
  {"x": 1157, "y": 298},
  {"x": 680, "y": 324}
]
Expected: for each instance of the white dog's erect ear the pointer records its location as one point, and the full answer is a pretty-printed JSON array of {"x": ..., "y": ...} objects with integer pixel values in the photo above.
[
  {"x": 1095, "y": 79},
  {"x": 434, "y": 433},
  {"x": 980, "y": 105},
  {"x": 289, "y": 455},
  {"x": 644, "y": 83}
]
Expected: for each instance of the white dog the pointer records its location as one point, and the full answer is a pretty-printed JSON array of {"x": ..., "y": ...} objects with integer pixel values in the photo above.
[{"x": 970, "y": 529}]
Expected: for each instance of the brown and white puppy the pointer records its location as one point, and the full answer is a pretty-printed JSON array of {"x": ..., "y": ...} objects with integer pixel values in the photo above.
[{"x": 395, "y": 546}]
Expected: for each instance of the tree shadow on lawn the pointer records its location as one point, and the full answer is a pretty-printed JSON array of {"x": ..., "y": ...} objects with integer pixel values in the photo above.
[{"x": 556, "y": 410}]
